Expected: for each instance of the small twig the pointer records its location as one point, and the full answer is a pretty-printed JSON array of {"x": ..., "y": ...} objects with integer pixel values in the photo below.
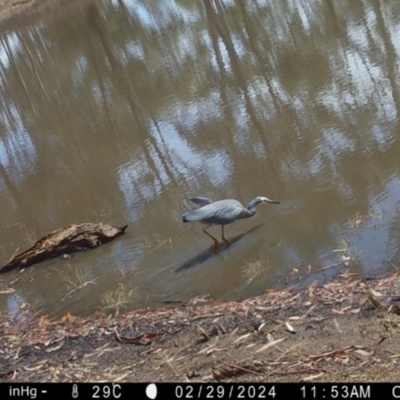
[
  {"x": 160, "y": 244},
  {"x": 329, "y": 353},
  {"x": 79, "y": 287},
  {"x": 239, "y": 367},
  {"x": 396, "y": 268},
  {"x": 287, "y": 350},
  {"x": 13, "y": 256},
  {"x": 207, "y": 316},
  {"x": 143, "y": 353},
  {"x": 304, "y": 371},
  {"x": 173, "y": 369}
]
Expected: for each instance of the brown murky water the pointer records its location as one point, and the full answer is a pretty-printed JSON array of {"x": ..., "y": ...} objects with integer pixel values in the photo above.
[{"x": 118, "y": 111}]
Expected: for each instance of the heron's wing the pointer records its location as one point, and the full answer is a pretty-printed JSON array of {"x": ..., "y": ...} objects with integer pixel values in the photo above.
[
  {"x": 220, "y": 212},
  {"x": 201, "y": 201},
  {"x": 228, "y": 211}
]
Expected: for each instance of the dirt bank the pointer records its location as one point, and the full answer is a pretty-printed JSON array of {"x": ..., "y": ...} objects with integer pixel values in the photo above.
[{"x": 347, "y": 330}]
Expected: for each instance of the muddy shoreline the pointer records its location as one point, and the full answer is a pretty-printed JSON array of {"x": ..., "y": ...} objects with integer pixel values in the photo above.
[{"x": 346, "y": 330}]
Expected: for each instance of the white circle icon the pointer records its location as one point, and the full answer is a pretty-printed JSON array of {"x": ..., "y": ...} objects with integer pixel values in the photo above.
[{"x": 151, "y": 391}]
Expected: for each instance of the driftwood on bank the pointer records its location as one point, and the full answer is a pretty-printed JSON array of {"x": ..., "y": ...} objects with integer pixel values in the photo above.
[{"x": 63, "y": 241}]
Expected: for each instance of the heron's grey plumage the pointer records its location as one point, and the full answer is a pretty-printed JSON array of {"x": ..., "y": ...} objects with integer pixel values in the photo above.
[
  {"x": 222, "y": 212},
  {"x": 201, "y": 201}
]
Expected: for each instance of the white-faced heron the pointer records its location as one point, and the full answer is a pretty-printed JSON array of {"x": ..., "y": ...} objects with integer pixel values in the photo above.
[{"x": 222, "y": 212}]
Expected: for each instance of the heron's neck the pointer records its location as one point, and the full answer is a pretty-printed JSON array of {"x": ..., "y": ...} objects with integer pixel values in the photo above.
[{"x": 252, "y": 208}]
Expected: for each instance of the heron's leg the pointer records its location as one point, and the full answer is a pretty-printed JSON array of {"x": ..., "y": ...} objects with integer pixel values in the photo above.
[
  {"x": 223, "y": 236},
  {"x": 216, "y": 243}
]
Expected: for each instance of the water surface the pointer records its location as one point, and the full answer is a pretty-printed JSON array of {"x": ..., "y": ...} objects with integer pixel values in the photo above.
[{"x": 119, "y": 111}]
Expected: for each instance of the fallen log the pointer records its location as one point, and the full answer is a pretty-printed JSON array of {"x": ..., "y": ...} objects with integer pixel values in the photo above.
[{"x": 61, "y": 241}]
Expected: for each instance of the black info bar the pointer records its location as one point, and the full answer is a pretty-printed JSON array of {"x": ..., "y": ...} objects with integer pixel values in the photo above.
[{"x": 272, "y": 391}]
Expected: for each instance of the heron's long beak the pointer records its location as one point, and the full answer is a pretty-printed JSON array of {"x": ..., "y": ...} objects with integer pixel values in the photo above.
[{"x": 272, "y": 201}]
